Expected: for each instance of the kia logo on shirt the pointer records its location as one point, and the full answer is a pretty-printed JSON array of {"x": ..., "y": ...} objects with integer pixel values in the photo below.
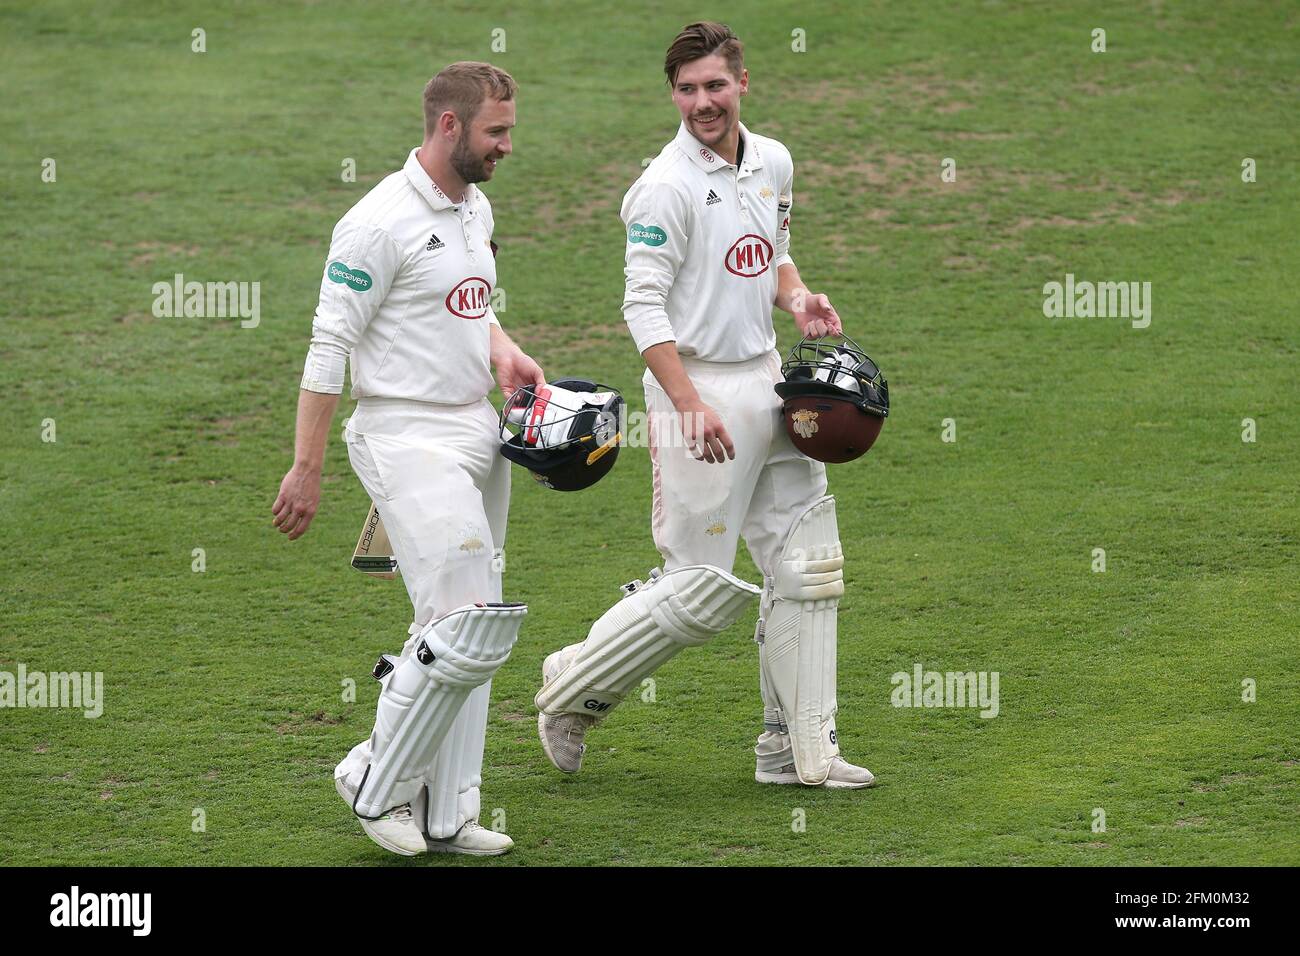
[
  {"x": 749, "y": 256},
  {"x": 469, "y": 299}
]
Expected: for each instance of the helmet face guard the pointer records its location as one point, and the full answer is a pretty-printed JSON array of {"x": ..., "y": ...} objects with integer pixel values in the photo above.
[
  {"x": 835, "y": 400},
  {"x": 838, "y": 371},
  {"x": 566, "y": 432}
]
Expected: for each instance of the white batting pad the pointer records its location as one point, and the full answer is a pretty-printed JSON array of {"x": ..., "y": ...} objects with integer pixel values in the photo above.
[
  {"x": 797, "y": 654},
  {"x": 681, "y": 608},
  {"x": 423, "y": 694}
]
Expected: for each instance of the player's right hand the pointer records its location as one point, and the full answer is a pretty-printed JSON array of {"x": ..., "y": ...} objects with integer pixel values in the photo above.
[
  {"x": 706, "y": 437},
  {"x": 297, "y": 502},
  {"x": 814, "y": 316}
]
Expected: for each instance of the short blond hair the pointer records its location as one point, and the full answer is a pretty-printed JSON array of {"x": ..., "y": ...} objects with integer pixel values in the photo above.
[{"x": 462, "y": 87}]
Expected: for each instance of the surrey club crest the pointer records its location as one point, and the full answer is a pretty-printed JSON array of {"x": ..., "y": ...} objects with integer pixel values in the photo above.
[
  {"x": 804, "y": 423},
  {"x": 471, "y": 541}
]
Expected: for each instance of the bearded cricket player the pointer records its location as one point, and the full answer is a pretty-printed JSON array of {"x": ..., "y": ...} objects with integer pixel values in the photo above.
[
  {"x": 406, "y": 296},
  {"x": 707, "y": 258}
]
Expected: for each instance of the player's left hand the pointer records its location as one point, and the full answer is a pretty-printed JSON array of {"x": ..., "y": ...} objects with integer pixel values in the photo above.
[
  {"x": 514, "y": 370},
  {"x": 815, "y": 317}
]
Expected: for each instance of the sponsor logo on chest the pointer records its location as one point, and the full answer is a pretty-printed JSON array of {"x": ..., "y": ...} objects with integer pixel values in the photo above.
[
  {"x": 469, "y": 299},
  {"x": 749, "y": 256}
]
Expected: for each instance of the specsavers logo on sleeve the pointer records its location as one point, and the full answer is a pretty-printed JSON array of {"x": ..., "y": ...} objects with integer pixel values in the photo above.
[
  {"x": 650, "y": 235},
  {"x": 354, "y": 279}
]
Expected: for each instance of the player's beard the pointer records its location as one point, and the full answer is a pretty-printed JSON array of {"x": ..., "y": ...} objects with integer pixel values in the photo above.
[
  {"x": 470, "y": 168},
  {"x": 724, "y": 127}
]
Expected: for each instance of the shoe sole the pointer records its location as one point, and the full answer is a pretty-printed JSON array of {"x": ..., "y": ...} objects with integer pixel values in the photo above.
[
  {"x": 763, "y": 776},
  {"x": 436, "y": 847},
  {"x": 390, "y": 847}
]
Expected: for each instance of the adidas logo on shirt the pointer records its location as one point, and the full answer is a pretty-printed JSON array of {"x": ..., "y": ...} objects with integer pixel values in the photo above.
[
  {"x": 434, "y": 243},
  {"x": 713, "y": 198}
]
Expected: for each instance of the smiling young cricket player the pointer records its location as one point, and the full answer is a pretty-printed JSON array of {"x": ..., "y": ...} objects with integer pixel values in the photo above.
[
  {"x": 707, "y": 258},
  {"x": 406, "y": 295}
]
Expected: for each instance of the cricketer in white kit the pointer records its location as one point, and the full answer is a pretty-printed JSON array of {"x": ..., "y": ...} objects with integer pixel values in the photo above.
[
  {"x": 707, "y": 257},
  {"x": 406, "y": 297}
]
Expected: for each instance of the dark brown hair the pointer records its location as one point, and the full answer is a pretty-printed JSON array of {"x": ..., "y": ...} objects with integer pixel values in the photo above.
[
  {"x": 698, "y": 40},
  {"x": 462, "y": 87}
]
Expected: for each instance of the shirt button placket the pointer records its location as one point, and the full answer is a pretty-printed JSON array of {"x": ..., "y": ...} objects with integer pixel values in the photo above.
[
  {"x": 469, "y": 246},
  {"x": 740, "y": 197}
]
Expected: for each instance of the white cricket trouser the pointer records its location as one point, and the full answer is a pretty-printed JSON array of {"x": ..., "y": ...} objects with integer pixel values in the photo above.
[
  {"x": 699, "y": 509},
  {"x": 443, "y": 491}
]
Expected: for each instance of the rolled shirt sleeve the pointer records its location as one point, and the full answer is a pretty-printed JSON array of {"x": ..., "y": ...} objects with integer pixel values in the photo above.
[
  {"x": 655, "y": 215},
  {"x": 363, "y": 259}
]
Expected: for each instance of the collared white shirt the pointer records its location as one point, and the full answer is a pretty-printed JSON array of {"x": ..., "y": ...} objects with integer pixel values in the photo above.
[
  {"x": 704, "y": 240},
  {"x": 407, "y": 295}
]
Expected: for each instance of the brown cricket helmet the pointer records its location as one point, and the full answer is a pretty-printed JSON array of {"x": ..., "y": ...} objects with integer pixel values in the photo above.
[{"x": 834, "y": 400}]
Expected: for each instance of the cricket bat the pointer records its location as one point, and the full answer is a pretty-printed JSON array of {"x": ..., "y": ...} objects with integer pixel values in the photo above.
[{"x": 374, "y": 553}]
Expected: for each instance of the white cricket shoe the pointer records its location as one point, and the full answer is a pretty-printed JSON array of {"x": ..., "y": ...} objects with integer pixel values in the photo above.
[
  {"x": 562, "y": 734},
  {"x": 396, "y": 831},
  {"x": 473, "y": 840},
  {"x": 776, "y": 765}
]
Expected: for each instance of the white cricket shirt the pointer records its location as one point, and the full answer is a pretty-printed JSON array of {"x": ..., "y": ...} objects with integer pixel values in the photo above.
[
  {"x": 407, "y": 295},
  {"x": 704, "y": 240}
]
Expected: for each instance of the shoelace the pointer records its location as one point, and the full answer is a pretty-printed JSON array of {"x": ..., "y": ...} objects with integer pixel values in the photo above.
[
  {"x": 400, "y": 814},
  {"x": 579, "y": 723}
]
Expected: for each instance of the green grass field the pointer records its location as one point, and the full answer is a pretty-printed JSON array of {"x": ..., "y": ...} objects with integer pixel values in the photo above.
[{"x": 1120, "y": 691}]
